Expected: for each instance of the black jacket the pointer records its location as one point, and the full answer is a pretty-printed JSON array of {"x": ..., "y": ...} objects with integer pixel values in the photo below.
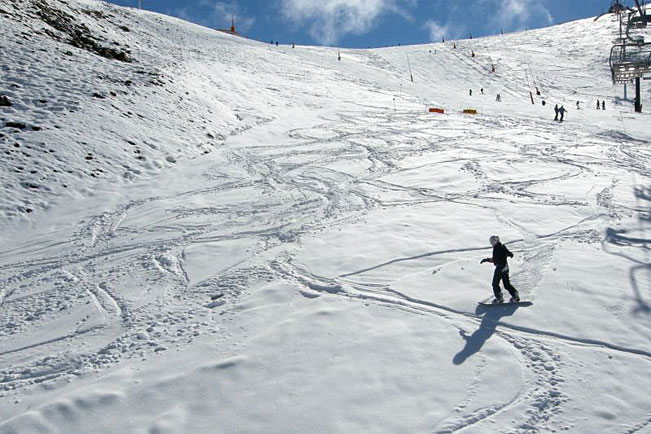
[{"x": 500, "y": 253}]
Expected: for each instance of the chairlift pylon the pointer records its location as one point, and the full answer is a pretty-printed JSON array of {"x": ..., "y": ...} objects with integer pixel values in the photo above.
[{"x": 630, "y": 57}]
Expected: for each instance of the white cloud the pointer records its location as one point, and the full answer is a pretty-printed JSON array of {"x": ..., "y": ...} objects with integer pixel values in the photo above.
[
  {"x": 437, "y": 31},
  {"x": 330, "y": 20},
  {"x": 223, "y": 12},
  {"x": 219, "y": 15},
  {"x": 518, "y": 14}
]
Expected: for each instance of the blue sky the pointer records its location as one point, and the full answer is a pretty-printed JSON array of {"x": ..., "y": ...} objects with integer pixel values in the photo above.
[{"x": 374, "y": 23}]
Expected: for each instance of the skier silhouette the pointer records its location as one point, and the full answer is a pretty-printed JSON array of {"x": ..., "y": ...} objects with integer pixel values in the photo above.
[
  {"x": 556, "y": 110},
  {"x": 562, "y": 111},
  {"x": 499, "y": 259},
  {"x": 470, "y": 92},
  {"x": 598, "y": 105},
  {"x": 603, "y": 105}
]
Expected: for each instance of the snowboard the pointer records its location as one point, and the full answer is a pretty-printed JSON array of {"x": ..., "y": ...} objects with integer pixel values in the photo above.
[{"x": 522, "y": 303}]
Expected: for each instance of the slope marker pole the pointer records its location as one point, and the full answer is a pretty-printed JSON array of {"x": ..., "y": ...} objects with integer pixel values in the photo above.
[
  {"x": 534, "y": 80},
  {"x": 529, "y": 86}
]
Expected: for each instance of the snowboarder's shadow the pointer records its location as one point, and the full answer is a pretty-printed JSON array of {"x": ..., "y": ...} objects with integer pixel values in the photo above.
[{"x": 474, "y": 342}]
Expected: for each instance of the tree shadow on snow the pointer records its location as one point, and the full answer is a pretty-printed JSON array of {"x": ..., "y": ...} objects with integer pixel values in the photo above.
[
  {"x": 643, "y": 194},
  {"x": 475, "y": 341},
  {"x": 621, "y": 238}
]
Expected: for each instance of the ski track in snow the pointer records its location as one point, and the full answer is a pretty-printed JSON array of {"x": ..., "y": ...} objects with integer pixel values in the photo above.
[{"x": 149, "y": 272}]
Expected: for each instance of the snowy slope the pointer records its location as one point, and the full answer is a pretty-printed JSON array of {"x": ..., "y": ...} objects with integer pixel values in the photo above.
[{"x": 203, "y": 233}]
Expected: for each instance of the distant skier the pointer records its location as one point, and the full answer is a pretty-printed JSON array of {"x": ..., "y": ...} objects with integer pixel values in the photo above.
[
  {"x": 603, "y": 105},
  {"x": 499, "y": 259},
  {"x": 498, "y": 98},
  {"x": 578, "y": 105},
  {"x": 470, "y": 92},
  {"x": 482, "y": 91},
  {"x": 598, "y": 105},
  {"x": 544, "y": 103},
  {"x": 562, "y": 111},
  {"x": 276, "y": 43},
  {"x": 556, "y": 110}
]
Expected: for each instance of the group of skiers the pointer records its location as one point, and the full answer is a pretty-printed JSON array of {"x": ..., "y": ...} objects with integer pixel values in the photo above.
[
  {"x": 482, "y": 91},
  {"x": 560, "y": 111},
  {"x": 601, "y": 105}
]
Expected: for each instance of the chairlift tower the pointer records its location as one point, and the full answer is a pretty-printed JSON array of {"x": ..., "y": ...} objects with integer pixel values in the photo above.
[{"x": 630, "y": 57}]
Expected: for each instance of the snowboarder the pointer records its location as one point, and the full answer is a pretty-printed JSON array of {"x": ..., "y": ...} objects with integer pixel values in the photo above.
[
  {"x": 499, "y": 259},
  {"x": 598, "y": 105},
  {"x": 499, "y": 98},
  {"x": 603, "y": 105},
  {"x": 562, "y": 111},
  {"x": 556, "y": 110}
]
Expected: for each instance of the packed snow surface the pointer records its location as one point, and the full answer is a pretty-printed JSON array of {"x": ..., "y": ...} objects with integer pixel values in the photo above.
[{"x": 208, "y": 234}]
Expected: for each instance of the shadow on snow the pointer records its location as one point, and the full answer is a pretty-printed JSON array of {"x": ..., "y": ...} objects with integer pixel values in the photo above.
[
  {"x": 474, "y": 342},
  {"x": 621, "y": 238}
]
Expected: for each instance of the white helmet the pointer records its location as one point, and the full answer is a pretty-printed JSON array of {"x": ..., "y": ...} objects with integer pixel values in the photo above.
[{"x": 494, "y": 239}]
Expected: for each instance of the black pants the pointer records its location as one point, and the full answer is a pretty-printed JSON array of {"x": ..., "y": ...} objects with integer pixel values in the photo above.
[{"x": 502, "y": 275}]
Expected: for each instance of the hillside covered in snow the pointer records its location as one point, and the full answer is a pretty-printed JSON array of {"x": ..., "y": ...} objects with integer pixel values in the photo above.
[{"x": 204, "y": 233}]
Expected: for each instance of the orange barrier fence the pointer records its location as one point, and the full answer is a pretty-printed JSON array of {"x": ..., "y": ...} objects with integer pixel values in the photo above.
[
  {"x": 436, "y": 110},
  {"x": 470, "y": 112}
]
